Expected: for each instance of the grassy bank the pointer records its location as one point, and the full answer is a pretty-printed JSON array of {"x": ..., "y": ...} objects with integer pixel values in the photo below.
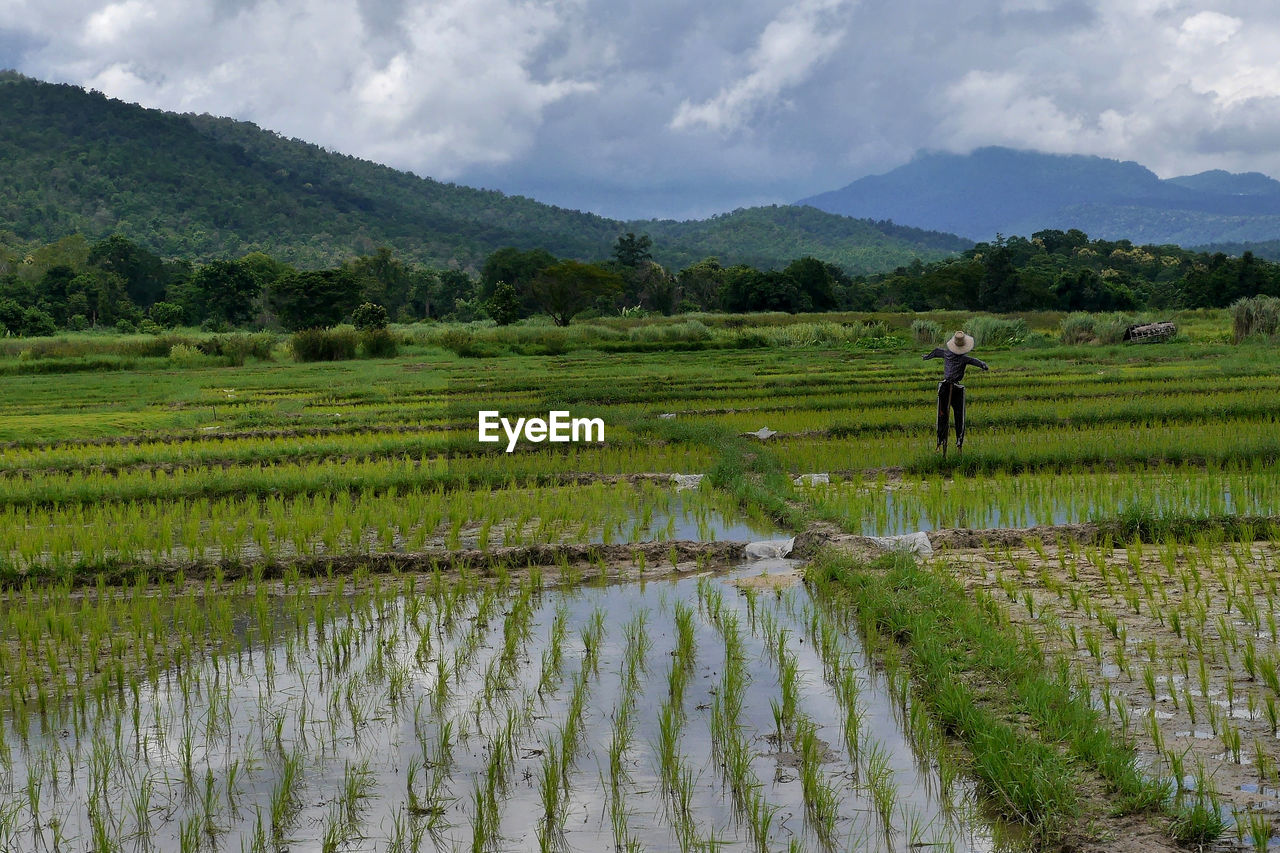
[{"x": 1039, "y": 750}]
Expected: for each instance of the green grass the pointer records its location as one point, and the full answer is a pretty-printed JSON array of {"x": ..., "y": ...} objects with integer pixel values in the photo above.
[{"x": 956, "y": 644}]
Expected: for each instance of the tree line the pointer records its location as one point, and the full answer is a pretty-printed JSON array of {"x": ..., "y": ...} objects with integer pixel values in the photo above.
[{"x": 116, "y": 283}]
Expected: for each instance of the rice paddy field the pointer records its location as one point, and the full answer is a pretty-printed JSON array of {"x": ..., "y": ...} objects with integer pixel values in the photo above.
[{"x": 284, "y": 606}]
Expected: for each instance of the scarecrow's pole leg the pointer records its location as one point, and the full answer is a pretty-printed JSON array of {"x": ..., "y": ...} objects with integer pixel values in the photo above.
[{"x": 944, "y": 416}]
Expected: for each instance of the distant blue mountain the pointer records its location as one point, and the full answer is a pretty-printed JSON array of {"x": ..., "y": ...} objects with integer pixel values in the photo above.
[{"x": 1001, "y": 190}]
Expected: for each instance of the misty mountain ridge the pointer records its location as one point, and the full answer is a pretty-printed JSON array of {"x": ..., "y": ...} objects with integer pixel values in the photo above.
[
  {"x": 1002, "y": 190},
  {"x": 198, "y": 187}
]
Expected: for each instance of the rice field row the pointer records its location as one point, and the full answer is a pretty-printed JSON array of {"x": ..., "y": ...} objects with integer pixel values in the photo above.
[
  {"x": 60, "y": 539},
  {"x": 883, "y": 507}
]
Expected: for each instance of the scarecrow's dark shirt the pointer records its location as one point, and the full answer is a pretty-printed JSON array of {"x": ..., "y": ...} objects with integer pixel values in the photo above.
[{"x": 955, "y": 363}]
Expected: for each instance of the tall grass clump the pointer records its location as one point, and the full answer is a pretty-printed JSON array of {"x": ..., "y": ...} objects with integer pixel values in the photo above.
[
  {"x": 379, "y": 343},
  {"x": 926, "y": 332},
  {"x": 181, "y": 355},
  {"x": 688, "y": 330},
  {"x": 1255, "y": 316},
  {"x": 1076, "y": 328},
  {"x": 997, "y": 331},
  {"x": 1110, "y": 328},
  {"x": 323, "y": 344}
]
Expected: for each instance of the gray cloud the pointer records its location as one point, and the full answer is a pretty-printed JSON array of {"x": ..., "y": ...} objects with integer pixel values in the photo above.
[{"x": 675, "y": 109}]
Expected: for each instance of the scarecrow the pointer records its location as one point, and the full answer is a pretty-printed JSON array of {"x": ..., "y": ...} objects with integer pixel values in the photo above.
[{"x": 950, "y": 392}]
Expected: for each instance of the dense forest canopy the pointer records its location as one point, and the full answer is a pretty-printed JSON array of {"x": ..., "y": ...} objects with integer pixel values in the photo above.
[
  {"x": 77, "y": 284},
  {"x": 205, "y": 188}
]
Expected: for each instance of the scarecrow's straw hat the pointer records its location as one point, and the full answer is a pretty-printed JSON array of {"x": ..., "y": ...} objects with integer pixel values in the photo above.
[{"x": 960, "y": 343}]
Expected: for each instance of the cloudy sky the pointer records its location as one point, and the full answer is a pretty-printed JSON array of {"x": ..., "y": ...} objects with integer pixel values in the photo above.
[{"x": 671, "y": 108}]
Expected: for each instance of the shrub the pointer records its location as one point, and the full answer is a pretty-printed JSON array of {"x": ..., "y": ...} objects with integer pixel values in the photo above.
[
  {"x": 167, "y": 314},
  {"x": 37, "y": 323},
  {"x": 689, "y": 330},
  {"x": 996, "y": 331},
  {"x": 181, "y": 355},
  {"x": 126, "y": 327},
  {"x": 10, "y": 317},
  {"x": 368, "y": 317},
  {"x": 323, "y": 344},
  {"x": 554, "y": 342},
  {"x": 77, "y": 322},
  {"x": 155, "y": 347},
  {"x": 1076, "y": 328},
  {"x": 379, "y": 343},
  {"x": 1255, "y": 316},
  {"x": 236, "y": 348},
  {"x": 926, "y": 332},
  {"x": 1110, "y": 328},
  {"x": 149, "y": 327},
  {"x": 456, "y": 340},
  {"x": 504, "y": 305}
]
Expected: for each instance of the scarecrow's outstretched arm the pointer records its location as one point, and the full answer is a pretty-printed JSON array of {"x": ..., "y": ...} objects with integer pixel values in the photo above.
[
  {"x": 976, "y": 362},
  {"x": 937, "y": 353}
]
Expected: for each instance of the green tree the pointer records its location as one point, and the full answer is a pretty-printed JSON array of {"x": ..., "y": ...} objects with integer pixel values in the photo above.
[
  {"x": 265, "y": 268},
  {"x": 748, "y": 289},
  {"x": 315, "y": 298},
  {"x": 999, "y": 288},
  {"x": 702, "y": 282},
  {"x": 504, "y": 305},
  {"x": 632, "y": 251},
  {"x": 815, "y": 281},
  {"x": 224, "y": 290},
  {"x": 369, "y": 316},
  {"x": 100, "y": 296},
  {"x": 53, "y": 289},
  {"x": 37, "y": 323},
  {"x": 166, "y": 315},
  {"x": 655, "y": 289},
  {"x": 10, "y": 317},
  {"x": 383, "y": 279},
  {"x": 452, "y": 287},
  {"x": 142, "y": 271},
  {"x": 568, "y": 287},
  {"x": 516, "y": 267}
]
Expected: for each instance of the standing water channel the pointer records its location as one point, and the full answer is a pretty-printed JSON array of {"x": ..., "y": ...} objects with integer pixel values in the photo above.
[{"x": 709, "y": 710}]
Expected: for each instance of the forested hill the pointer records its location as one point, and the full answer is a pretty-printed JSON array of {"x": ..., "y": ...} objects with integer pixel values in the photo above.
[
  {"x": 198, "y": 187},
  {"x": 1000, "y": 190}
]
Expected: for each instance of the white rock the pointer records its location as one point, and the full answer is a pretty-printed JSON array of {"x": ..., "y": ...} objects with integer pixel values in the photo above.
[
  {"x": 913, "y": 543},
  {"x": 770, "y": 548},
  {"x": 812, "y": 479},
  {"x": 763, "y": 433},
  {"x": 687, "y": 481},
  {"x": 667, "y": 415}
]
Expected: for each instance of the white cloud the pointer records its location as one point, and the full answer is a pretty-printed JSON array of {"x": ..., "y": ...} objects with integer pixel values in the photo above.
[
  {"x": 789, "y": 48},
  {"x": 671, "y": 108},
  {"x": 454, "y": 89},
  {"x": 115, "y": 21},
  {"x": 1206, "y": 29},
  {"x": 1193, "y": 81}
]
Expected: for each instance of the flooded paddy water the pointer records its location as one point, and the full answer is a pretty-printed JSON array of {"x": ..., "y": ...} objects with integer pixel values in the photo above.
[{"x": 711, "y": 710}]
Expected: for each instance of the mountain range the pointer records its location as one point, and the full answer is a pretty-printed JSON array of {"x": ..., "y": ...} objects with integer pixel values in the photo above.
[
  {"x": 1001, "y": 190},
  {"x": 199, "y": 187}
]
